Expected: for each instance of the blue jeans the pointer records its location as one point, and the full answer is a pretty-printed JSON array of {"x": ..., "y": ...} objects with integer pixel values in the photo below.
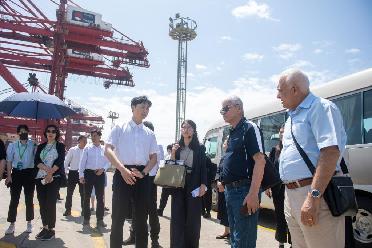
[{"x": 243, "y": 228}]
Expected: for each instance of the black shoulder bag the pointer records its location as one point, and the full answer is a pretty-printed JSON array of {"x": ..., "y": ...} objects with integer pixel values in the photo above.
[
  {"x": 271, "y": 175},
  {"x": 339, "y": 194}
]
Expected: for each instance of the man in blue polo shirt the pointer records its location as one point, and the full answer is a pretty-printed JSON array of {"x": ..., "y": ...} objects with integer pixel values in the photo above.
[{"x": 243, "y": 168}]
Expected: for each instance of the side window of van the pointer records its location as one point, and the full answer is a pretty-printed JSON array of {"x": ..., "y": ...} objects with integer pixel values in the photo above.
[
  {"x": 270, "y": 126},
  {"x": 351, "y": 110},
  {"x": 211, "y": 147},
  {"x": 367, "y": 116}
]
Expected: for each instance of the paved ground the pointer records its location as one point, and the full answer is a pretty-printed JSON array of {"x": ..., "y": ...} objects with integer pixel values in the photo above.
[{"x": 69, "y": 231}]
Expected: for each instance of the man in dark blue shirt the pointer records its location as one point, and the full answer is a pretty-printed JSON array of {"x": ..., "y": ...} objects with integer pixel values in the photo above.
[{"x": 243, "y": 169}]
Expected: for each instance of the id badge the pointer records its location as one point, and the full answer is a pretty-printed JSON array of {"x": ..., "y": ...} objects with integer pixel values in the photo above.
[{"x": 19, "y": 165}]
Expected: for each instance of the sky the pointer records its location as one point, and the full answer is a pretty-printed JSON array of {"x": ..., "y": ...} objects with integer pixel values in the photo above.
[{"x": 240, "y": 49}]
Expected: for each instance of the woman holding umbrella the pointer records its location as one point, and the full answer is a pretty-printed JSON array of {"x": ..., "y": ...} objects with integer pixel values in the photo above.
[{"x": 49, "y": 160}]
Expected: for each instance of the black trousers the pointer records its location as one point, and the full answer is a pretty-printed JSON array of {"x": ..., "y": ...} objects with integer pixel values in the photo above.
[
  {"x": 165, "y": 193},
  {"x": 98, "y": 182},
  {"x": 222, "y": 210},
  {"x": 185, "y": 219},
  {"x": 124, "y": 195},
  {"x": 282, "y": 233},
  {"x": 207, "y": 200},
  {"x": 153, "y": 214},
  {"x": 47, "y": 196},
  {"x": 73, "y": 179},
  {"x": 26, "y": 179}
]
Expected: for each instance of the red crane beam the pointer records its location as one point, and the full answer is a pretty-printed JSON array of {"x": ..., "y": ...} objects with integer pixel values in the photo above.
[{"x": 12, "y": 81}]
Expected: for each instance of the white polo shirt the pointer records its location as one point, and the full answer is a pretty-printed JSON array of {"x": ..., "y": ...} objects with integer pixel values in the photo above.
[{"x": 133, "y": 144}]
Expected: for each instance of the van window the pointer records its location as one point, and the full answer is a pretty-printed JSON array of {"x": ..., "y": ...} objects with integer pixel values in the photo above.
[
  {"x": 270, "y": 126},
  {"x": 367, "y": 116},
  {"x": 351, "y": 110},
  {"x": 211, "y": 147}
]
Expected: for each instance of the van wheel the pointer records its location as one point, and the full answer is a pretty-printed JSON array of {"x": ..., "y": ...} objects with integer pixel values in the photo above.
[{"x": 362, "y": 223}]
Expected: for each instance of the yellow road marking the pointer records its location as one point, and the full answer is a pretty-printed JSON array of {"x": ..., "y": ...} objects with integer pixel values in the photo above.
[
  {"x": 98, "y": 240},
  {"x": 7, "y": 245},
  {"x": 266, "y": 228}
]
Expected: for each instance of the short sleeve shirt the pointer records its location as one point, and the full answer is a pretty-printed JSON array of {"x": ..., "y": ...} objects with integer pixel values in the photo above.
[
  {"x": 133, "y": 143},
  {"x": 245, "y": 140}
]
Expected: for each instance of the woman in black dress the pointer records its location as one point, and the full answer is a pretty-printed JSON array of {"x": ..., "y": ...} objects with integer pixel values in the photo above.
[{"x": 186, "y": 208}]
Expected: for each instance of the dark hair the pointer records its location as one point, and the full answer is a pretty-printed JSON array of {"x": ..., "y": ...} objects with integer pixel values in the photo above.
[
  {"x": 22, "y": 126},
  {"x": 97, "y": 131},
  {"x": 140, "y": 99},
  {"x": 58, "y": 133},
  {"x": 169, "y": 147},
  {"x": 194, "y": 144},
  {"x": 81, "y": 137},
  {"x": 149, "y": 125}
]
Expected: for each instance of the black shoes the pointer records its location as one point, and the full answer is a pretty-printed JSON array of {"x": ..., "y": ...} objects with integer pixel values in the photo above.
[
  {"x": 41, "y": 233},
  {"x": 100, "y": 223},
  {"x": 155, "y": 244},
  {"x": 45, "y": 234},
  {"x": 160, "y": 212},
  {"x": 223, "y": 236},
  {"x": 106, "y": 209},
  {"x": 67, "y": 213},
  {"x": 48, "y": 235}
]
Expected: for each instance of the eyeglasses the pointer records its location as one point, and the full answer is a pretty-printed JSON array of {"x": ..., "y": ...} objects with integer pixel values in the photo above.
[
  {"x": 226, "y": 109},
  {"x": 51, "y": 131}
]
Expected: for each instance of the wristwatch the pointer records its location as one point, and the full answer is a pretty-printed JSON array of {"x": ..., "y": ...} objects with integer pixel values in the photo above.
[{"x": 315, "y": 193}]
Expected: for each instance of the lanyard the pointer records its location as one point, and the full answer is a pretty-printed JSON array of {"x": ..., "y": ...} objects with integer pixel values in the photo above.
[
  {"x": 19, "y": 150},
  {"x": 44, "y": 153}
]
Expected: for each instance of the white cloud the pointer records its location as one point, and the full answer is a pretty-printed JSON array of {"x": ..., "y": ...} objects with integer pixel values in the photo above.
[
  {"x": 318, "y": 51},
  {"x": 253, "y": 56},
  {"x": 301, "y": 64},
  {"x": 200, "y": 67},
  {"x": 226, "y": 37},
  {"x": 352, "y": 51},
  {"x": 190, "y": 75},
  {"x": 323, "y": 43},
  {"x": 252, "y": 8},
  {"x": 287, "y": 50}
]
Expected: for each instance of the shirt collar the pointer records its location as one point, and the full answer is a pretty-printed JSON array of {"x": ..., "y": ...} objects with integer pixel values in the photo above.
[
  {"x": 305, "y": 104},
  {"x": 239, "y": 125},
  {"x": 134, "y": 125}
]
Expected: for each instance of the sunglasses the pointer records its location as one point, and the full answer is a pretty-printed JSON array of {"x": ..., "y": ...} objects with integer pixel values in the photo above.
[
  {"x": 226, "y": 109},
  {"x": 51, "y": 131}
]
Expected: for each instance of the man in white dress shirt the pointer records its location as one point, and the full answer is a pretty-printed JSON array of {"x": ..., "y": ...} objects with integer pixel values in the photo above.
[
  {"x": 72, "y": 161},
  {"x": 92, "y": 168},
  {"x": 132, "y": 149},
  {"x": 153, "y": 215}
]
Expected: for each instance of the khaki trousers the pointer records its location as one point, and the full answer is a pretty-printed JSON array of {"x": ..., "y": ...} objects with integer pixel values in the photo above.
[{"x": 329, "y": 232}]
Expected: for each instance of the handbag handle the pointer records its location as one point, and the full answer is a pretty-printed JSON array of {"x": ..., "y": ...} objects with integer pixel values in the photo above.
[{"x": 308, "y": 162}]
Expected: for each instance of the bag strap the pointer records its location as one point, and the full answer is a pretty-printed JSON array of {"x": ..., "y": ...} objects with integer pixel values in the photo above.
[{"x": 308, "y": 162}]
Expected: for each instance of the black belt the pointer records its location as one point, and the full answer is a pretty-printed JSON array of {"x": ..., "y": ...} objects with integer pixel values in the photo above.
[
  {"x": 138, "y": 167},
  {"x": 237, "y": 184}
]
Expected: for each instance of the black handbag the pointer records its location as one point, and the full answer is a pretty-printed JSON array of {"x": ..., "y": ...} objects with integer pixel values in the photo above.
[{"x": 339, "y": 194}]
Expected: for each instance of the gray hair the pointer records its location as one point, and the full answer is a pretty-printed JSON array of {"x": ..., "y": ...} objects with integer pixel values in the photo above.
[
  {"x": 298, "y": 78},
  {"x": 235, "y": 100}
]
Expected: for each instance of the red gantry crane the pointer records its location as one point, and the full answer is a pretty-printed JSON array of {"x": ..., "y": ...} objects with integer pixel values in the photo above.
[{"x": 77, "y": 42}]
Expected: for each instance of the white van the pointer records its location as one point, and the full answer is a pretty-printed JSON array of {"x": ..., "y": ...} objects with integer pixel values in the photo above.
[{"x": 353, "y": 95}]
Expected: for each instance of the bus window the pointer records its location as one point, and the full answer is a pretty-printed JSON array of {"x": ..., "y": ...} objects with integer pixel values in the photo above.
[
  {"x": 211, "y": 147},
  {"x": 351, "y": 110},
  {"x": 367, "y": 116},
  {"x": 270, "y": 126}
]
